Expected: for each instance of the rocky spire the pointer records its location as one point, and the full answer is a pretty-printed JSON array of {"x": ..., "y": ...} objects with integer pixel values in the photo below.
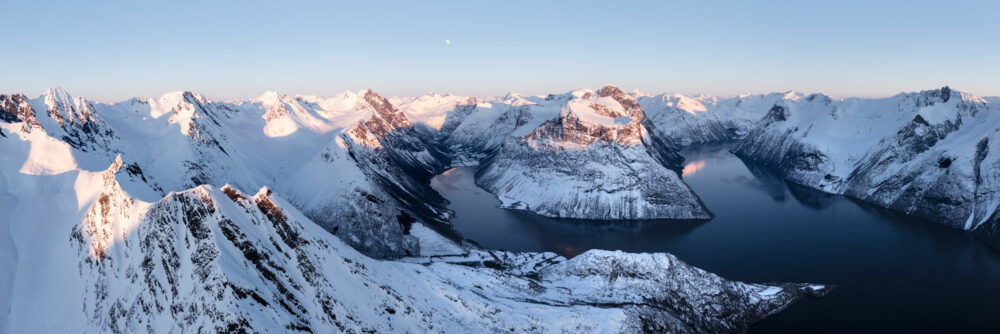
[
  {"x": 15, "y": 108},
  {"x": 385, "y": 119}
]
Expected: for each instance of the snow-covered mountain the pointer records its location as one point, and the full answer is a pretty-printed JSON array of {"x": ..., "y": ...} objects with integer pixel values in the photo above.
[
  {"x": 594, "y": 160},
  {"x": 931, "y": 154}
]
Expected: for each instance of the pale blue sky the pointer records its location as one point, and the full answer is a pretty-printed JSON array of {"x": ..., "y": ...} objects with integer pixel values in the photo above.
[{"x": 113, "y": 50}]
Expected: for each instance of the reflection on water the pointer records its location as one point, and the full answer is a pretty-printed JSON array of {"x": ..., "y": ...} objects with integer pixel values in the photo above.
[
  {"x": 691, "y": 168},
  {"x": 894, "y": 273}
]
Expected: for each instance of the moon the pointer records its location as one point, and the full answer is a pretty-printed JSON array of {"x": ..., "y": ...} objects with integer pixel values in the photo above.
[{"x": 447, "y": 41}]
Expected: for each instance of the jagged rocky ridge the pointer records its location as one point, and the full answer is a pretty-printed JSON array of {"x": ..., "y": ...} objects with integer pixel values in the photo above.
[{"x": 930, "y": 154}]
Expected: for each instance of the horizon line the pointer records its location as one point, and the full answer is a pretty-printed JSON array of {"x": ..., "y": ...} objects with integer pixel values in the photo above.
[{"x": 432, "y": 92}]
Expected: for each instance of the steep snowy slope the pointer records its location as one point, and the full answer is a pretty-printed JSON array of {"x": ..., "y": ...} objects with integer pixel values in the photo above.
[
  {"x": 93, "y": 258},
  {"x": 594, "y": 160},
  {"x": 931, "y": 154}
]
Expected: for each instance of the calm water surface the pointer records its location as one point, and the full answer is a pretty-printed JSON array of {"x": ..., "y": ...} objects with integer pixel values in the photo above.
[{"x": 894, "y": 273}]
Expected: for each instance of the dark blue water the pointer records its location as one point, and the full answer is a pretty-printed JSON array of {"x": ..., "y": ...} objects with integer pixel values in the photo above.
[{"x": 894, "y": 273}]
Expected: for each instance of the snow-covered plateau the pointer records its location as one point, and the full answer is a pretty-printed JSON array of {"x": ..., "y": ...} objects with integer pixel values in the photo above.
[{"x": 314, "y": 214}]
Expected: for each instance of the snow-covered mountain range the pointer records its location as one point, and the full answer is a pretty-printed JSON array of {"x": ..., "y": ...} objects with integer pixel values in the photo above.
[
  {"x": 345, "y": 233},
  {"x": 136, "y": 216},
  {"x": 926, "y": 154}
]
